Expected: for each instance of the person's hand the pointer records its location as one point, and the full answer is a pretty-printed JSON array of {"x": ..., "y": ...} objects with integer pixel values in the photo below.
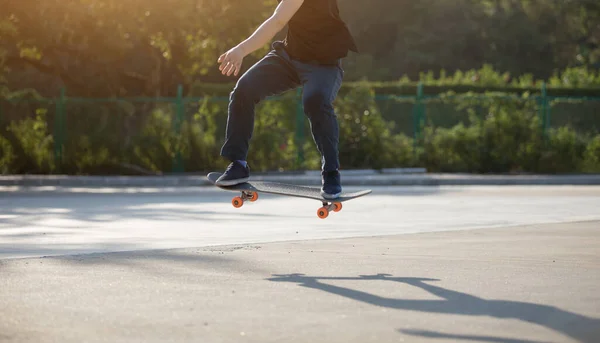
[{"x": 231, "y": 61}]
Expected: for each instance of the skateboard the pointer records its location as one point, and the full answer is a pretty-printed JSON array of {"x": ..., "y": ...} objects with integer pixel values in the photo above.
[{"x": 249, "y": 192}]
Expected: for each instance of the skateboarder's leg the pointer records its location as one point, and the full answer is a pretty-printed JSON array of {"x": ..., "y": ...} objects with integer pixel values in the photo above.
[
  {"x": 321, "y": 86},
  {"x": 272, "y": 75}
]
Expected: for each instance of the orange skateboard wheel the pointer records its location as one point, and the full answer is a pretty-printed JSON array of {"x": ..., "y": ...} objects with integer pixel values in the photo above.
[
  {"x": 322, "y": 213},
  {"x": 337, "y": 206},
  {"x": 237, "y": 202},
  {"x": 254, "y": 197}
]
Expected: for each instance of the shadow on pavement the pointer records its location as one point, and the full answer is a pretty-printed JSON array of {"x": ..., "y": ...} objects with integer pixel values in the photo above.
[
  {"x": 576, "y": 326},
  {"x": 25, "y": 210},
  {"x": 159, "y": 263},
  {"x": 492, "y": 339},
  {"x": 163, "y": 263}
]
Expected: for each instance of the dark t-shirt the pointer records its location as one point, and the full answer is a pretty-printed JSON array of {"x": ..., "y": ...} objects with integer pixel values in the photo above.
[{"x": 317, "y": 34}]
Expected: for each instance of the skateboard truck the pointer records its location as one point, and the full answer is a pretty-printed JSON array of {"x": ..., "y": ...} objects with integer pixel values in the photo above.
[
  {"x": 238, "y": 202},
  {"x": 323, "y": 212}
]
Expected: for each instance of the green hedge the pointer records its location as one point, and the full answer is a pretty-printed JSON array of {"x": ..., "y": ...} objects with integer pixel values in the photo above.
[
  {"x": 411, "y": 89},
  {"x": 495, "y": 133},
  {"x": 509, "y": 139},
  {"x": 577, "y": 82}
]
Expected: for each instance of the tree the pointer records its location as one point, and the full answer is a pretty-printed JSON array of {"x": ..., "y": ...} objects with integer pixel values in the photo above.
[{"x": 112, "y": 47}]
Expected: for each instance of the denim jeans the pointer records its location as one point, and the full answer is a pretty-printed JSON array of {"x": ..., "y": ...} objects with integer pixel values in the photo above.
[{"x": 275, "y": 74}]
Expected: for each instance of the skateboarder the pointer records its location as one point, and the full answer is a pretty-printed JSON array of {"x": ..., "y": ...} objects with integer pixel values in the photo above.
[{"x": 310, "y": 56}]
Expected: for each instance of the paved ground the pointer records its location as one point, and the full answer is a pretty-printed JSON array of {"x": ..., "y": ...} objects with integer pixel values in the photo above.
[
  {"x": 528, "y": 284},
  {"x": 100, "y": 220},
  {"x": 412, "y": 271}
]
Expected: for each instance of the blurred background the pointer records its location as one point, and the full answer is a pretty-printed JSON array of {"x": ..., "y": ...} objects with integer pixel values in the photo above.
[{"x": 110, "y": 87}]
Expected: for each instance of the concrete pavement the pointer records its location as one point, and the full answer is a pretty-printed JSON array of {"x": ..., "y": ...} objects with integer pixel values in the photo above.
[
  {"x": 50, "y": 221},
  {"x": 404, "y": 264},
  {"x": 526, "y": 284}
]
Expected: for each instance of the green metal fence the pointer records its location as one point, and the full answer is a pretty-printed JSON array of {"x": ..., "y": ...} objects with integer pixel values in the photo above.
[{"x": 65, "y": 116}]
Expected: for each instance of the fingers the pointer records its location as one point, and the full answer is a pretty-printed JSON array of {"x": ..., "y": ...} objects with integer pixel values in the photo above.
[
  {"x": 224, "y": 60},
  {"x": 231, "y": 69},
  {"x": 228, "y": 65},
  {"x": 236, "y": 68},
  {"x": 223, "y": 65},
  {"x": 226, "y": 68}
]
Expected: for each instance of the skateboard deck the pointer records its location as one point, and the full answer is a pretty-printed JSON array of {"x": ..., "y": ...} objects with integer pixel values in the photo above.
[{"x": 249, "y": 192}]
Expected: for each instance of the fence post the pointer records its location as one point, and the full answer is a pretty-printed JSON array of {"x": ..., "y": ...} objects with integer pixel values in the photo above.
[
  {"x": 299, "y": 130},
  {"x": 544, "y": 109},
  {"x": 417, "y": 118},
  {"x": 59, "y": 130},
  {"x": 179, "y": 115},
  {"x": 422, "y": 114}
]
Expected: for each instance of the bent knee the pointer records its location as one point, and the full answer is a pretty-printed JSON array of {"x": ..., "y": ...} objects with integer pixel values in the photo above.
[
  {"x": 245, "y": 90},
  {"x": 317, "y": 103}
]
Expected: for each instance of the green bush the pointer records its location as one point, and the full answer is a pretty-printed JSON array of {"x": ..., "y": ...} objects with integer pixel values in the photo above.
[
  {"x": 366, "y": 140},
  {"x": 591, "y": 156},
  {"x": 511, "y": 137},
  {"x": 563, "y": 152},
  {"x": 496, "y": 133},
  {"x": 501, "y": 135},
  {"x": 273, "y": 144},
  {"x": 33, "y": 139},
  {"x": 452, "y": 150},
  {"x": 93, "y": 141},
  {"x": 576, "y": 82},
  {"x": 155, "y": 145},
  {"x": 7, "y": 156},
  {"x": 200, "y": 150}
]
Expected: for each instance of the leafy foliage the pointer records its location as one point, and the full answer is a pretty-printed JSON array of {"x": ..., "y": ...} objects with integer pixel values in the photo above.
[
  {"x": 520, "y": 37},
  {"x": 103, "y": 48},
  {"x": 591, "y": 156},
  {"x": 125, "y": 49},
  {"x": 494, "y": 134}
]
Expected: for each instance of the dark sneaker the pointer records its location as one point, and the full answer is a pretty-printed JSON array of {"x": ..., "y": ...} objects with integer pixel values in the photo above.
[
  {"x": 332, "y": 187},
  {"x": 235, "y": 173}
]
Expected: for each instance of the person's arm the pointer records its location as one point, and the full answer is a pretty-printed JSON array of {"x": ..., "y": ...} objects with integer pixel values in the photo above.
[{"x": 231, "y": 61}]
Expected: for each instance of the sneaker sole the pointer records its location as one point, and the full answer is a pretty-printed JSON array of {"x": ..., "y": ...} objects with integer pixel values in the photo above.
[
  {"x": 330, "y": 196},
  {"x": 231, "y": 182}
]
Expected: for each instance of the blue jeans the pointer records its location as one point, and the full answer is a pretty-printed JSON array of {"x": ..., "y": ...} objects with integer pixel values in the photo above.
[{"x": 275, "y": 74}]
